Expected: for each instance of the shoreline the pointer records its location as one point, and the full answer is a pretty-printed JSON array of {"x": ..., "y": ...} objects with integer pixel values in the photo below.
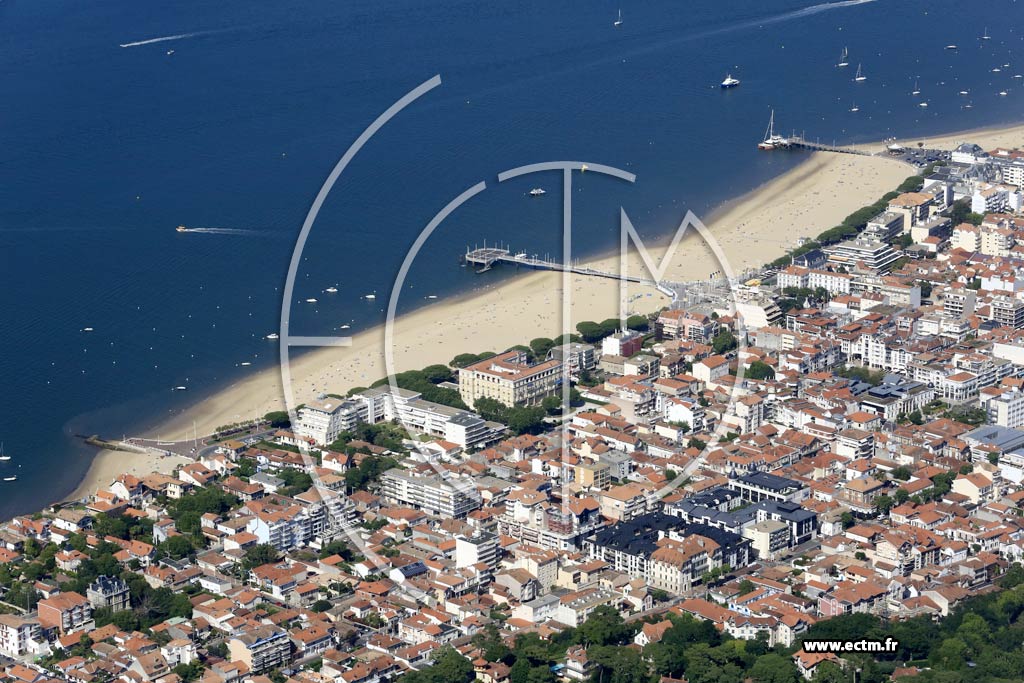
[
  {"x": 107, "y": 465},
  {"x": 752, "y": 229}
]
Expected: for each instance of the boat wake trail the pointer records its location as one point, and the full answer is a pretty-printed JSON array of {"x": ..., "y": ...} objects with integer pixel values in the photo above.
[
  {"x": 179, "y": 36},
  {"x": 823, "y": 7},
  {"x": 788, "y": 16},
  {"x": 223, "y": 231}
]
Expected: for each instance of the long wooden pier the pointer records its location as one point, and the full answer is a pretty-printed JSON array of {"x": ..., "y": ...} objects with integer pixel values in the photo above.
[
  {"x": 486, "y": 258},
  {"x": 797, "y": 142}
]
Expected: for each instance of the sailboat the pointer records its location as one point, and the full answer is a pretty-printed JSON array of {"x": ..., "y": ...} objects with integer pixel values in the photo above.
[
  {"x": 855, "y": 108},
  {"x": 860, "y": 75},
  {"x": 844, "y": 58},
  {"x": 3, "y": 456},
  {"x": 916, "y": 90},
  {"x": 771, "y": 140},
  {"x": 618, "y": 22},
  {"x": 985, "y": 35}
]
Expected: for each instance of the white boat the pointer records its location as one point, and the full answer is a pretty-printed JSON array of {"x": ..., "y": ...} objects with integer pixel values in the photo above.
[
  {"x": 923, "y": 104},
  {"x": 964, "y": 92},
  {"x": 730, "y": 82},
  {"x": 771, "y": 140},
  {"x": 855, "y": 108},
  {"x": 860, "y": 75},
  {"x": 537, "y": 191},
  {"x": 985, "y": 35},
  {"x": 1002, "y": 93},
  {"x": 331, "y": 290},
  {"x": 844, "y": 59},
  {"x": 273, "y": 335},
  {"x": 344, "y": 327},
  {"x": 432, "y": 296},
  {"x": 245, "y": 364},
  {"x": 86, "y": 329},
  {"x": 170, "y": 52},
  {"x": 618, "y": 22},
  {"x": 951, "y": 47},
  {"x": 310, "y": 301},
  {"x": 14, "y": 478},
  {"x": 179, "y": 388},
  {"x": 996, "y": 70},
  {"x": 370, "y": 296},
  {"x": 1019, "y": 76},
  {"x": 3, "y": 456},
  {"x": 917, "y": 88}
]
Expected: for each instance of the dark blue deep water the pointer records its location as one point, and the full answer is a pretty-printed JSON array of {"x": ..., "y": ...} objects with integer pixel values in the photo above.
[{"x": 105, "y": 149}]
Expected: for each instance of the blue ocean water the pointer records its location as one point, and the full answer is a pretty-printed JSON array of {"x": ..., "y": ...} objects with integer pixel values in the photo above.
[{"x": 105, "y": 149}]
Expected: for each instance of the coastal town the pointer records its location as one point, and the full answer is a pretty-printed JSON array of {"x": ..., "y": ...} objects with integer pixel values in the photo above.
[{"x": 830, "y": 451}]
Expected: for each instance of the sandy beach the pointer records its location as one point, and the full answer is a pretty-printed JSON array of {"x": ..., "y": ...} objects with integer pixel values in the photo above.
[
  {"x": 752, "y": 230},
  {"x": 988, "y": 138},
  {"x": 108, "y": 465}
]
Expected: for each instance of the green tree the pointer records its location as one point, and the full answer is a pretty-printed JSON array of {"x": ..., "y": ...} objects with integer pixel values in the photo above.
[
  {"x": 724, "y": 342},
  {"x": 438, "y": 373},
  {"x": 883, "y": 504},
  {"x": 259, "y": 555},
  {"x": 448, "y": 667},
  {"x": 525, "y": 419},
  {"x": 540, "y": 347},
  {"x": 321, "y": 605},
  {"x": 902, "y": 473},
  {"x": 951, "y": 655},
  {"x": 640, "y": 323},
  {"x": 760, "y": 370},
  {"x": 774, "y": 668},
  {"x": 278, "y": 419},
  {"x": 604, "y": 626},
  {"x": 829, "y": 672},
  {"x": 618, "y": 665},
  {"x": 520, "y": 671},
  {"x": 176, "y": 547},
  {"x": 591, "y": 332},
  {"x": 552, "y": 405}
]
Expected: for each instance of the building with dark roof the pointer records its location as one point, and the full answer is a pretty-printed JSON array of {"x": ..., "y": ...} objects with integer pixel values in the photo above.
[
  {"x": 628, "y": 546},
  {"x": 758, "y": 486}
]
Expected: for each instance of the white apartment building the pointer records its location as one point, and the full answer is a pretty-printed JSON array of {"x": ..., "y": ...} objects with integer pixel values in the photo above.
[
  {"x": 833, "y": 283},
  {"x": 915, "y": 207},
  {"x": 1007, "y": 409},
  {"x": 862, "y": 254},
  {"x": 480, "y": 548},
  {"x": 20, "y": 636},
  {"x": 994, "y": 199},
  {"x": 676, "y": 409},
  {"x": 325, "y": 419},
  {"x": 1007, "y": 311},
  {"x": 622, "y": 343},
  {"x": 886, "y": 226},
  {"x": 579, "y": 357},
  {"x": 430, "y": 493}
]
